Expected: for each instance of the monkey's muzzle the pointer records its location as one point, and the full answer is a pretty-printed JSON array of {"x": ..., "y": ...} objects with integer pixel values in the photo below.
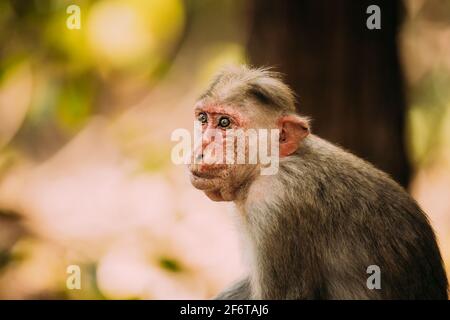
[{"x": 206, "y": 176}]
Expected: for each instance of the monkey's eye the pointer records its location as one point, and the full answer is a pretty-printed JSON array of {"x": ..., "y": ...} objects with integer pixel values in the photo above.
[
  {"x": 203, "y": 118},
  {"x": 224, "y": 122}
]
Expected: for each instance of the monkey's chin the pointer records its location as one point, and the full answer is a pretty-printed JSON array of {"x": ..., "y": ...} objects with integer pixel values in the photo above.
[
  {"x": 208, "y": 187},
  {"x": 205, "y": 177},
  {"x": 209, "y": 183},
  {"x": 204, "y": 182},
  {"x": 216, "y": 195}
]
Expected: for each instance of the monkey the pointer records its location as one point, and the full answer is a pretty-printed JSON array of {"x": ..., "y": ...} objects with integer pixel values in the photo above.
[{"x": 312, "y": 229}]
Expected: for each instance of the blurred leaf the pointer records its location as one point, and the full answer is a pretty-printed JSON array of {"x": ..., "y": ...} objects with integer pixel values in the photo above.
[
  {"x": 432, "y": 91},
  {"x": 170, "y": 264},
  {"x": 75, "y": 104},
  {"x": 224, "y": 54},
  {"x": 15, "y": 98},
  {"x": 426, "y": 114},
  {"x": 90, "y": 290},
  {"x": 11, "y": 231},
  {"x": 154, "y": 159},
  {"x": 5, "y": 258}
]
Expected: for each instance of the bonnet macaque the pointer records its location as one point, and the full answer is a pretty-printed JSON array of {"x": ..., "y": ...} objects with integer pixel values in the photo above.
[{"x": 312, "y": 229}]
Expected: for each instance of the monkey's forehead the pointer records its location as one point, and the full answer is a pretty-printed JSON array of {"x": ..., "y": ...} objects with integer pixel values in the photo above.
[{"x": 215, "y": 107}]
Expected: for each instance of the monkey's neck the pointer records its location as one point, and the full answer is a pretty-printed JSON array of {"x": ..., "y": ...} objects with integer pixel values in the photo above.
[
  {"x": 274, "y": 228},
  {"x": 266, "y": 247},
  {"x": 267, "y": 242}
]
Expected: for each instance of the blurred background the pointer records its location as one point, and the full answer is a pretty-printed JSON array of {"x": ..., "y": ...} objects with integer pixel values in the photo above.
[{"x": 86, "y": 116}]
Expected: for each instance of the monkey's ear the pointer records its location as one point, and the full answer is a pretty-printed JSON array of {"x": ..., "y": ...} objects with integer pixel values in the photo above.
[{"x": 293, "y": 129}]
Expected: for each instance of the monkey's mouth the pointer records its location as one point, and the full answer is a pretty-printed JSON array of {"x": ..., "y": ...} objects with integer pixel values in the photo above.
[
  {"x": 207, "y": 170},
  {"x": 206, "y": 179},
  {"x": 204, "y": 175}
]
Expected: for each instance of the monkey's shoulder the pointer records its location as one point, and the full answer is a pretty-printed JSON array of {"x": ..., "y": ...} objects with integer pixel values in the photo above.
[
  {"x": 326, "y": 172},
  {"x": 331, "y": 161}
]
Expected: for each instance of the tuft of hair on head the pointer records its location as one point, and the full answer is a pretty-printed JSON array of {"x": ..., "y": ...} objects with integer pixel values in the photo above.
[{"x": 234, "y": 84}]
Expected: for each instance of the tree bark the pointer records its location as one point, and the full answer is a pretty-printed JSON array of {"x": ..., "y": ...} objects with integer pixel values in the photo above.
[{"x": 348, "y": 78}]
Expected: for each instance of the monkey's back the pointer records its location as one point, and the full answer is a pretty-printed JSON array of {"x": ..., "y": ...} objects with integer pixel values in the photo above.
[{"x": 348, "y": 216}]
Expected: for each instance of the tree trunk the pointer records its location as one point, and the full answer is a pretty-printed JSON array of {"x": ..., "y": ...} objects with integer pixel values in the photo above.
[{"x": 347, "y": 77}]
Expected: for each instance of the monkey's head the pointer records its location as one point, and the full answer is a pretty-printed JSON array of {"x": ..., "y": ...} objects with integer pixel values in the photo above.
[{"x": 240, "y": 101}]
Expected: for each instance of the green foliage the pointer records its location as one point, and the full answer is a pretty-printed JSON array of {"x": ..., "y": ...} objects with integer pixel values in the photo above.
[
  {"x": 427, "y": 115},
  {"x": 170, "y": 264},
  {"x": 75, "y": 104}
]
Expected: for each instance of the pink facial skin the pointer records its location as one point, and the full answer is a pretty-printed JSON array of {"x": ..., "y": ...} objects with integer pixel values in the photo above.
[
  {"x": 214, "y": 111},
  {"x": 224, "y": 182},
  {"x": 218, "y": 181}
]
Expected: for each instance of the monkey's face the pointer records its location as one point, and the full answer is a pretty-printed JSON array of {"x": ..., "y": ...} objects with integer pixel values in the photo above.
[
  {"x": 235, "y": 144},
  {"x": 247, "y": 122},
  {"x": 220, "y": 164}
]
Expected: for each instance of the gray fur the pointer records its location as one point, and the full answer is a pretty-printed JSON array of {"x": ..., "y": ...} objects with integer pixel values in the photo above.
[
  {"x": 239, "y": 290},
  {"x": 238, "y": 84},
  {"x": 327, "y": 215}
]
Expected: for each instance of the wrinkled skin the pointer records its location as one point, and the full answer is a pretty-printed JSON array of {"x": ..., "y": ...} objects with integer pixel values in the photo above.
[
  {"x": 222, "y": 182},
  {"x": 225, "y": 183},
  {"x": 230, "y": 182}
]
